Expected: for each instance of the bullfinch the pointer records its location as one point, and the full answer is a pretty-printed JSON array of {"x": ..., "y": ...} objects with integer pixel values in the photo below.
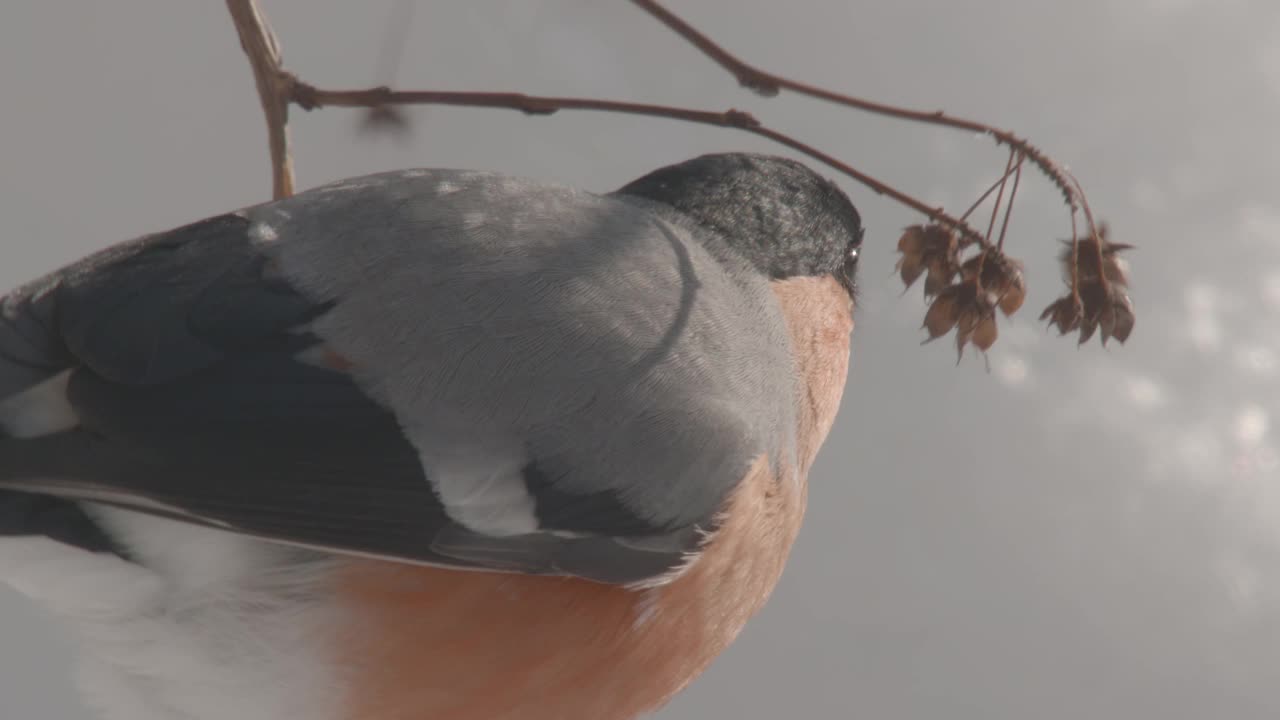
[{"x": 427, "y": 444}]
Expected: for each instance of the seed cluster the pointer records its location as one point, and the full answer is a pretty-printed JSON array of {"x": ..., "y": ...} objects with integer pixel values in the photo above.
[
  {"x": 1099, "y": 300},
  {"x": 964, "y": 293}
]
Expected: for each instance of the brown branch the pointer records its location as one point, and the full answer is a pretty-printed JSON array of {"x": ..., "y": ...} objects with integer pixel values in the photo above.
[
  {"x": 986, "y": 194},
  {"x": 1095, "y": 237},
  {"x": 259, "y": 44},
  {"x": 309, "y": 97},
  {"x": 995, "y": 209},
  {"x": 761, "y": 83},
  {"x": 1008, "y": 210},
  {"x": 769, "y": 84},
  {"x": 1075, "y": 263}
]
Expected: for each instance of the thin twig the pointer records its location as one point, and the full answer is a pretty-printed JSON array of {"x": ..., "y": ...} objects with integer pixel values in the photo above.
[
  {"x": 1013, "y": 194},
  {"x": 769, "y": 84},
  {"x": 986, "y": 194},
  {"x": 1094, "y": 236},
  {"x": 749, "y": 77},
  {"x": 259, "y": 44},
  {"x": 995, "y": 209},
  {"x": 1075, "y": 264},
  {"x": 309, "y": 97}
]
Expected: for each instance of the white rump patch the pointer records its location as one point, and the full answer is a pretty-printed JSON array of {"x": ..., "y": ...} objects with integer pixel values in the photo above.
[
  {"x": 210, "y": 626},
  {"x": 485, "y": 491},
  {"x": 41, "y": 409}
]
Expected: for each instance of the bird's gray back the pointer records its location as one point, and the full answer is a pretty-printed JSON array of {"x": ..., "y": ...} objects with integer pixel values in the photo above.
[{"x": 499, "y": 316}]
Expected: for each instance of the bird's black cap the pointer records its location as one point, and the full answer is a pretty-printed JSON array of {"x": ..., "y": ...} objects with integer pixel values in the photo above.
[{"x": 785, "y": 219}]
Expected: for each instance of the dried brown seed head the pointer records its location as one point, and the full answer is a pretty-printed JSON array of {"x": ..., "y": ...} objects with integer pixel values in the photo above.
[
  {"x": 912, "y": 240},
  {"x": 984, "y": 335},
  {"x": 943, "y": 313},
  {"x": 1109, "y": 310},
  {"x": 911, "y": 245},
  {"x": 967, "y": 308},
  {"x": 941, "y": 273},
  {"x": 1114, "y": 267},
  {"x": 932, "y": 248},
  {"x": 1121, "y": 324},
  {"x": 999, "y": 274},
  {"x": 1116, "y": 319},
  {"x": 1063, "y": 312}
]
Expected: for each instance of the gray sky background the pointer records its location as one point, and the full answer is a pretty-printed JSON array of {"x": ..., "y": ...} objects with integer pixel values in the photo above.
[{"x": 1080, "y": 533}]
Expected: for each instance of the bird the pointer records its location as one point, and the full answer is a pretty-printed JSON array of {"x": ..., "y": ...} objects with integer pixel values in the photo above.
[{"x": 427, "y": 443}]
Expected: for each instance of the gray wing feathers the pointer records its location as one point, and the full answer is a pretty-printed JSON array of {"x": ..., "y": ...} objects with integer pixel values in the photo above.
[
  {"x": 601, "y": 340},
  {"x": 540, "y": 379}
]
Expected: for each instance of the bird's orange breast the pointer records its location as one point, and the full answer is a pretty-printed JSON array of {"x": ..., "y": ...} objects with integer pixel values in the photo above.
[{"x": 429, "y": 643}]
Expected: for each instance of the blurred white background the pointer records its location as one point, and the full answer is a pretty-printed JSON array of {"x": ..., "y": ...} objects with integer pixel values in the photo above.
[{"x": 1078, "y": 534}]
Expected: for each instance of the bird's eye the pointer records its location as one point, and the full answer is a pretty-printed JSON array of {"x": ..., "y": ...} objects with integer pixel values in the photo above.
[
  {"x": 851, "y": 258},
  {"x": 849, "y": 268}
]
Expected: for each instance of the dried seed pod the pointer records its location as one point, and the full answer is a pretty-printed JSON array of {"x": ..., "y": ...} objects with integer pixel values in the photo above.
[
  {"x": 1013, "y": 298},
  {"x": 941, "y": 272},
  {"x": 1063, "y": 312},
  {"x": 932, "y": 248},
  {"x": 912, "y": 240},
  {"x": 975, "y": 316},
  {"x": 943, "y": 313},
  {"x": 911, "y": 245},
  {"x": 1107, "y": 321},
  {"x": 942, "y": 259},
  {"x": 1124, "y": 318},
  {"x": 1093, "y": 268},
  {"x": 1114, "y": 267},
  {"x": 1116, "y": 319},
  {"x": 1001, "y": 275},
  {"x": 1088, "y": 325},
  {"x": 984, "y": 335}
]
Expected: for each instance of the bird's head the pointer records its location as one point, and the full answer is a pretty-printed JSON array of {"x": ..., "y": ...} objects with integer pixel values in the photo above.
[
  {"x": 800, "y": 231},
  {"x": 785, "y": 219}
]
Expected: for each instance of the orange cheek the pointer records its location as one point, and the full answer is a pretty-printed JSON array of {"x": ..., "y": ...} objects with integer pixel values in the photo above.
[{"x": 819, "y": 316}]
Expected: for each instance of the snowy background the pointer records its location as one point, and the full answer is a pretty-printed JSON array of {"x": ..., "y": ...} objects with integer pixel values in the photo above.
[{"x": 1078, "y": 534}]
